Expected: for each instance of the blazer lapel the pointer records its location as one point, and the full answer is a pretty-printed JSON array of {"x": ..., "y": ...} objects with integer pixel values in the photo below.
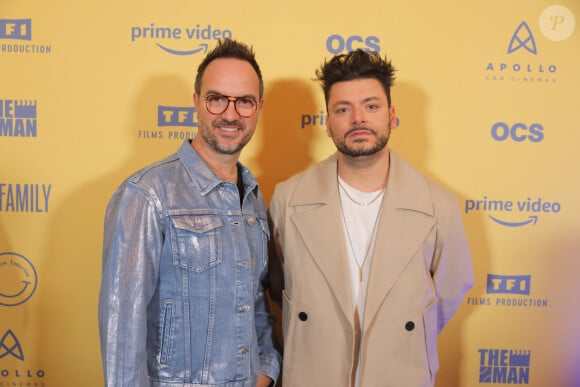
[
  {"x": 406, "y": 218},
  {"x": 320, "y": 227}
]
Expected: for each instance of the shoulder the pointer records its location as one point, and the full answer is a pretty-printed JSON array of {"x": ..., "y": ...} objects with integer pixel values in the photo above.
[
  {"x": 412, "y": 188},
  {"x": 311, "y": 179}
]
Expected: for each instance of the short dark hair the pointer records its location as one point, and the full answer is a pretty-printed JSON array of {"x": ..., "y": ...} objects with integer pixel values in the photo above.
[
  {"x": 229, "y": 48},
  {"x": 356, "y": 65}
]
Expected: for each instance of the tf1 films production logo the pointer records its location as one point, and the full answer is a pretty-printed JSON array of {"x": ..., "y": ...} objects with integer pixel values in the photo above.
[
  {"x": 171, "y": 121},
  {"x": 16, "y": 38},
  {"x": 504, "y": 366},
  {"x": 523, "y": 61},
  {"x": 511, "y": 291},
  {"x": 180, "y": 40},
  {"x": 18, "y": 118}
]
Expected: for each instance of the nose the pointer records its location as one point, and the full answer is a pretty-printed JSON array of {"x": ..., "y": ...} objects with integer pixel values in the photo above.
[
  {"x": 358, "y": 115},
  {"x": 231, "y": 113}
]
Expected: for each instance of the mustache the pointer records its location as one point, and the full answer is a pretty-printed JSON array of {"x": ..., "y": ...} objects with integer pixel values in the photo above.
[
  {"x": 221, "y": 123},
  {"x": 357, "y": 128}
]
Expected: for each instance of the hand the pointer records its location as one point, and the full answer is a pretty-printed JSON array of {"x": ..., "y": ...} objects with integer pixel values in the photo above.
[{"x": 263, "y": 381}]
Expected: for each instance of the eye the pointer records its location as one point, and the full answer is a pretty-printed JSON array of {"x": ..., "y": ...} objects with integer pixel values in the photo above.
[
  {"x": 341, "y": 110},
  {"x": 372, "y": 106},
  {"x": 217, "y": 99},
  {"x": 245, "y": 102}
]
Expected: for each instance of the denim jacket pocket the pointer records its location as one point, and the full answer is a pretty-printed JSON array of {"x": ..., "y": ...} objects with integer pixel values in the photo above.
[{"x": 196, "y": 241}]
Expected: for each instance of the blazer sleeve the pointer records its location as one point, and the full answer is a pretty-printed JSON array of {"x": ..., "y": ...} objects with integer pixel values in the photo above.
[{"x": 451, "y": 269}]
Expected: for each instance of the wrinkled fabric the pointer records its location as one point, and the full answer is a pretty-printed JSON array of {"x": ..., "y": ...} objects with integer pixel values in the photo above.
[{"x": 181, "y": 301}]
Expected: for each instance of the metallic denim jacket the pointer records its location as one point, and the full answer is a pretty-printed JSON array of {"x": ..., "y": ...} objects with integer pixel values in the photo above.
[{"x": 181, "y": 301}]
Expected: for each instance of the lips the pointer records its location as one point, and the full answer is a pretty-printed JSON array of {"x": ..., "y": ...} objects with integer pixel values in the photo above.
[
  {"x": 359, "y": 131},
  {"x": 229, "y": 126}
]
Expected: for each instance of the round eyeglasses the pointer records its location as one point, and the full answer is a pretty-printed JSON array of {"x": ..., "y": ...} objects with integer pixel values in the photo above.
[{"x": 217, "y": 104}]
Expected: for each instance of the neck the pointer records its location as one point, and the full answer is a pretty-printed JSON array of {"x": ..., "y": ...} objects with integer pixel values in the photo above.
[
  {"x": 223, "y": 165},
  {"x": 365, "y": 173}
]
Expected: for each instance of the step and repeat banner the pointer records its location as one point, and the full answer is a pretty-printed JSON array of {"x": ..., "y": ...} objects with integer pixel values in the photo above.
[{"x": 487, "y": 99}]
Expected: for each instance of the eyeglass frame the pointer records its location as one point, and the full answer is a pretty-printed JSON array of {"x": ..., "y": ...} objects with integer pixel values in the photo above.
[{"x": 230, "y": 99}]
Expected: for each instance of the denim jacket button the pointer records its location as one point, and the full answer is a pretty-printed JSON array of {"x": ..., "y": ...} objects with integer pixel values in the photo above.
[
  {"x": 244, "y": 308},
  {"x": 251, "y": 221}
]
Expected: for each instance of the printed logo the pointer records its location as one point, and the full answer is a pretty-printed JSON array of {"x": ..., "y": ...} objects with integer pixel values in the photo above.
[
  {"x": 557, "y": 23},
  {"x": 523, "y": 38},
  {"x": 24, "y": 197},
  {"x": 171, "y": 117},
  {"x": 520, "y": 212},
  {"x": 9, "y": 345},
  {"x": 518, "y": 132},
  {"x": 523, "y": 62},
  {"x": 18, "y": 279},
  {"x": 16, "y": 29},
  {"x": 18, "y": 118},
  {"x": 168, "y": 37},
  {"x": 504, "y": 366},
  {"x": 505, "y": 284},
  {"x": 313, "y": 120},
  {"x": 336, "y": 44},
  {"x": 20, "y": 29},
  {"x": 508, "y": 291}
]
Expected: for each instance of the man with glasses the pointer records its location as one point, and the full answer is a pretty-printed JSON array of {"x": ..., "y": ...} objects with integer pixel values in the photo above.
[{"x": 184, "y": 255}]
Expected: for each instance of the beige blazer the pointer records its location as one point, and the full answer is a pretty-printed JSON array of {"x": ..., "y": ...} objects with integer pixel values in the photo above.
[{"x": 421, "y": 269}]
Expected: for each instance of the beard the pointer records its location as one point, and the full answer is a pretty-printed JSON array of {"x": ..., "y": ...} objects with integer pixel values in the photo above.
[
  {"x": 211, "y": 138},
  {"x": 358, "y": 148}
]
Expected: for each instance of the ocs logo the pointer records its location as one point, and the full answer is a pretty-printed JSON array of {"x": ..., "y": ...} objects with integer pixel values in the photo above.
[
  {"x": 518, "y": 132},
  {"x": 335, "y": 44}
]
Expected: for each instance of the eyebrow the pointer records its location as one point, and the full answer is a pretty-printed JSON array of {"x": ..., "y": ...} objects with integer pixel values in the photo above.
[
  {"x": 368, "y": 99},
  {"x": 208, "y": 92}
]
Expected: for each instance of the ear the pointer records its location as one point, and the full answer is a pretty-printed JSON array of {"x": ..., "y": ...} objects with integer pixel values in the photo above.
[
  {"x": 327, "y": 123},
  {"x": 392, "y": 117},
  {"x": 195, "y": 100}
]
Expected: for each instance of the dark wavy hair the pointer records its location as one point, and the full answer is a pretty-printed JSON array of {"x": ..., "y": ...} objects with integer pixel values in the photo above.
[
  {"x": 229, "y": 48},
  {"x": 356, "y": 65}
]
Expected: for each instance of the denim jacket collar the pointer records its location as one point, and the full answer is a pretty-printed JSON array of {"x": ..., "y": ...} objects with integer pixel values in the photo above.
[{"x": 203, "y": 177}]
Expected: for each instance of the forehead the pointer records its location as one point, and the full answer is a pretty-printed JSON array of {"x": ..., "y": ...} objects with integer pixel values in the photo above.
[
  {"x": 230, "y": 76},
  {"x": 356, "y": 89}
]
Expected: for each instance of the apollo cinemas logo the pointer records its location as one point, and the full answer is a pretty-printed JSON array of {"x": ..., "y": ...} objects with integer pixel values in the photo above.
[
  {"x": 10, "y": 348},
  {"x": 511, "y": 291},
  {"x": 504, "y": 366},
  {"x": 523, "y": 62},
  {"x": 168, "y": 119},
  {"x": 18, "y": 118},
  {"x": 18, "y": 36},
  {"x": 180, "y": 40}
]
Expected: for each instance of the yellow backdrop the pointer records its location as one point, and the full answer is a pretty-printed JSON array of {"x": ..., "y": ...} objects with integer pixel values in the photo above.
[{"x": 486, "y": 94}]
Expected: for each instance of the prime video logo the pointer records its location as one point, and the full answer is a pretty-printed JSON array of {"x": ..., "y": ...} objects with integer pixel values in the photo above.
[
  {"x": 526, "y": 211},
  {"x": 167, "y": 38}
]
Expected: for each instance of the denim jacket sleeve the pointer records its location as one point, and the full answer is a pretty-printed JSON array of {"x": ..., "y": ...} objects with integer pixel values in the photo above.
[
  {"x": 131, "y": 250},
  {"x": 269, "y": 357}
]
